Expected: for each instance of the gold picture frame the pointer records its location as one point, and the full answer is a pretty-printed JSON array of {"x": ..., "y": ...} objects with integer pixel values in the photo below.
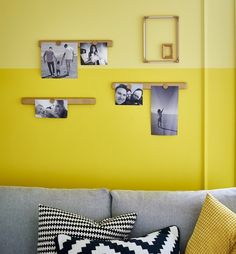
[
  {"x": 172, "y": 48},
  {"x": 167, "y": 51}
]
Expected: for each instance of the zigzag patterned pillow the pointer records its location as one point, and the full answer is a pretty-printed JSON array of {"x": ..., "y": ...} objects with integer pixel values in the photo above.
[
  {"x": 164, "y": 241},
  {"x": 53, "y": 221}
]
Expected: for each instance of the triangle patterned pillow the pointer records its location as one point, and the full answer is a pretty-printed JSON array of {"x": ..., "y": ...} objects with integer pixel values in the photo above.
[
  {"x": 53, "y": 221},
  {"x": 164, "y": 241}
]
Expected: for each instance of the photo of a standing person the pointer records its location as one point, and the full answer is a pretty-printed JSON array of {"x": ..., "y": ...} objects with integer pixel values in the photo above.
[
  {"x": 59, "y": 60},
  {"x": 49, "y": 58},
  {"x": 58, "y": 68},
  {"x": 164, "y": 110},
  {"x": 69, "y": 57},
  {"x": 159, "y": 115}
]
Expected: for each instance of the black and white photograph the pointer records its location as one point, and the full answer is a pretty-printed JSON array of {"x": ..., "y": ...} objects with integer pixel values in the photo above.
[
  {"x": 93, "y": 54},
  {"x": 128, "y": 94},
  {"x": 164, "y": 110},
  {"x": 59, "y": 61},
  {"x": 51, "y": 108}
]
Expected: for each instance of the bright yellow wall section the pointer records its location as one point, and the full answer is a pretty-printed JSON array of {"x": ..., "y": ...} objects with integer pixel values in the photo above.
[
  {"x": 107, "y": 146},
  {"x": 220, "y": 131},
  {"x": 100, "y": 145}
]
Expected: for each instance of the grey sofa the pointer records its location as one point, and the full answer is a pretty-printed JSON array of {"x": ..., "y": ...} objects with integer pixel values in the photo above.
[{"x": 155, "y": 209}]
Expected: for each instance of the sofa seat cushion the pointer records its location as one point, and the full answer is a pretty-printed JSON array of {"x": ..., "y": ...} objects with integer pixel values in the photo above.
[
  {"x": 164, "y": 241},
  {"x": 215, "y": 231}
]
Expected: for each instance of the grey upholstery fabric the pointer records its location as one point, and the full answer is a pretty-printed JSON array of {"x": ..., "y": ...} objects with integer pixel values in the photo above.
[
  {"x": 155, "y": 209},
  {"x": 19, "y": 212},
  {"x": 159, "y": 209}
]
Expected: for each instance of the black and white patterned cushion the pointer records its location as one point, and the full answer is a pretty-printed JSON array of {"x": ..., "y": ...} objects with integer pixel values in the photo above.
[
  {"x": 164, "y": 241},
  {"x": 53, "y": 221}
]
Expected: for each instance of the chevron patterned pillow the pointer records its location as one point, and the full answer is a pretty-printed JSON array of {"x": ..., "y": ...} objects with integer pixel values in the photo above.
[
  {"x": 164, "y": 241},
  {"x": 53, "y": 221}
]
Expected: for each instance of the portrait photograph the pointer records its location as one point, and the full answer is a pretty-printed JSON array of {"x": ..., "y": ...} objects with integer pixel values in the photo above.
[
  {"x": 128, "y": 94},
  {"x": 51, "y": 108},
  {"x": 59, "y": 61},
  {"x": 93, "y": 54},
  {"x": 164, "y": 110}
]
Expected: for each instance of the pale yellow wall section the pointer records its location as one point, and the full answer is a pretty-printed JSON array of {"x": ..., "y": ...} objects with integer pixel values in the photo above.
[
  {"x": 25, "y": 22},
  {"x": 219, "y": 33}
]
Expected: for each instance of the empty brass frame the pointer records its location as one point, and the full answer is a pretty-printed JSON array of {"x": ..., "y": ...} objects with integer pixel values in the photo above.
[
  {"x": 172, "y": 57},
  {"x": 167, "y": 51}
]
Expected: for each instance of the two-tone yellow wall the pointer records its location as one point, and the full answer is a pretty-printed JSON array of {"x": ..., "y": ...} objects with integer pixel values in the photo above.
[{"x": 104, "y": 145}]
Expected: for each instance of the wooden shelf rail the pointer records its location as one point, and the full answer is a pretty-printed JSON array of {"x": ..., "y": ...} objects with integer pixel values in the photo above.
[
  {"x": 148, "y": 85},
  {"x": 58, "y": 42},
  {"x": 71, "y": 101}
]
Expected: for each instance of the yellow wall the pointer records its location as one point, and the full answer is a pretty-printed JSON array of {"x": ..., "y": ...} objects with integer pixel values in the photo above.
[{"x": 104, "y": 145}]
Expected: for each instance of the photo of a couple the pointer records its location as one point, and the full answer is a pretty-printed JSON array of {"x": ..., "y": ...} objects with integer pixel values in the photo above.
[
  {"x": 59, "y": 61},
  {"x": 93, "y": 53},
  {"x": 51, "y": 108},
  {"x": 128, "y": 95}
]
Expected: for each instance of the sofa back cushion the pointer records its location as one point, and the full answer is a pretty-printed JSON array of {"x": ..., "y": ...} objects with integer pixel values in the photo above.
[
  {"x": 160, "y": 209},
  {"x": 19, "y": 212}
]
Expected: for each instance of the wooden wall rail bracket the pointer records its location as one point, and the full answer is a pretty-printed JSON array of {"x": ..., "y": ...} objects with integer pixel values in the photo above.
[
  {"x": 58, "y": 42},
  {"x": 148, "y": 85},
  {"x": 71, "y": 100}
]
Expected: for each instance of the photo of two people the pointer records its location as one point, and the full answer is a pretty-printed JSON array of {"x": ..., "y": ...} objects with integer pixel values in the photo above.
[
  {"x": 51, "y": 108},
  {"x": 128, "y": 94},
  {"x": 93, "y": 53}
]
